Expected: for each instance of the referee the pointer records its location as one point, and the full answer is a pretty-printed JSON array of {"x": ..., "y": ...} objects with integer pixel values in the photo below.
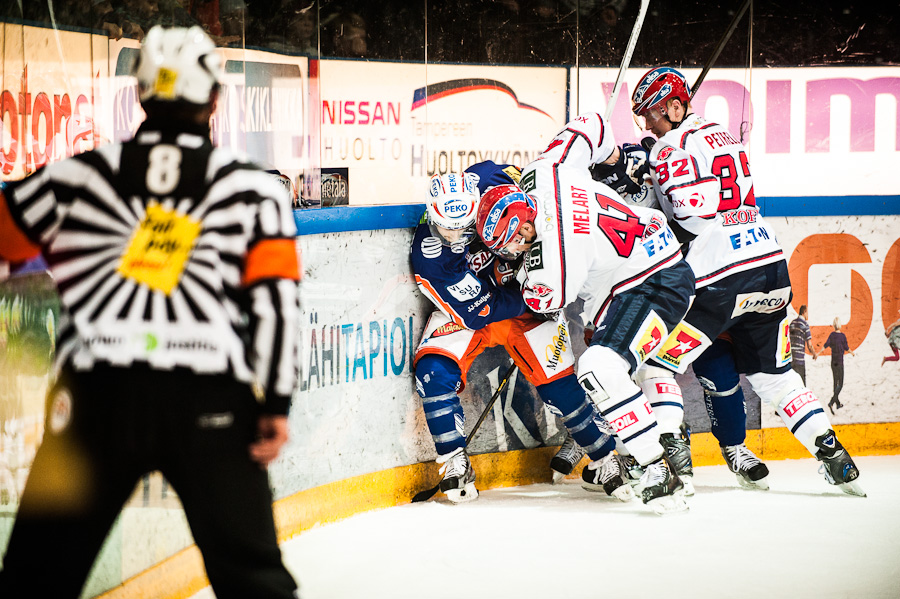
[{"x": 177, "y": 274}]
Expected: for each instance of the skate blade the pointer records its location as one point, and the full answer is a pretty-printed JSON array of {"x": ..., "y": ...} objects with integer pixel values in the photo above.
[
  {"x": 688, "y": 482},
  {"x": 759, "y": 485},
  {"x": 624, "y": 493},
  {"x": 852, "y": 488},
  {"x": 558, "y": 477},
  {"x": 669, "y": 504},
  {"x": 464, "y": 495}
]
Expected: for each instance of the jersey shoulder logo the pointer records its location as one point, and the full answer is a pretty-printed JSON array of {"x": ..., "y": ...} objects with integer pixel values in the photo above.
[
  {"x": 431, "y": 247},
  {"x": 665, "y": 152}
]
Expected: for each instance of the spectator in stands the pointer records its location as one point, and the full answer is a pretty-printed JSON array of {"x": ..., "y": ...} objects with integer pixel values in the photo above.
[
  {"x": 233, "y": 16},
  {"x": 136, "y": 16},
  {"x": 206, "y": 13},
  {"x": 347, "y": 34},
  {"x": 292, "y": 28}
]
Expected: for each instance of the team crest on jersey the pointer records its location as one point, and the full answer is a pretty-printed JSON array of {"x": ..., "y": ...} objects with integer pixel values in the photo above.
[
  {"x": 541, "y": 290},
  {"x": 681, "y": 346},
  {"x": 159, "y": 248},
  {"x": 665, "y": 152},
  {"x": 652, "y": 333}
]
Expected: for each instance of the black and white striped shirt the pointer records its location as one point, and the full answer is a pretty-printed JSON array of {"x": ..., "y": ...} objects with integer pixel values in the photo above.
[{"x": 167, "y": 252}]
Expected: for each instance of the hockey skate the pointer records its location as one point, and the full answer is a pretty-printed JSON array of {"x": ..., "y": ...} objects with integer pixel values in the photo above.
[
  {"x": 631, "y": 469},
  {"x": 751, "y": 473},
  {"x": 661, "y": 489},
  {"x": 565, "y": 460},
  {"x": 610, "y": 475},
  {"x": 837, "y": 465},
  {"x": 678, "y": 450},
  {"x": 458, "y": 483}
]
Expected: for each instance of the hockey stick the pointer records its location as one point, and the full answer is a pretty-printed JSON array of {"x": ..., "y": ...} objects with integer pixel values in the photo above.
[
  {"x": 626, "y": 60},
  {"x": 718, "y": 50},
  {"x": 429, "y": 493}
]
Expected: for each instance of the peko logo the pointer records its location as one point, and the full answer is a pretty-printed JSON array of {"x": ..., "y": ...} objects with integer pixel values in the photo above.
[
  {"x": 765, "y": 303},
  {"x": 458, "y": 208}
]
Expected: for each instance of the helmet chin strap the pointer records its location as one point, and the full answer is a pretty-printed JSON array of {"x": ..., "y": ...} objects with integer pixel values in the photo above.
[{"x": 673, "y": 123}]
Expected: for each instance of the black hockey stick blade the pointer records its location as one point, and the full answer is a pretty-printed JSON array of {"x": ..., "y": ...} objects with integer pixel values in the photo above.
[{"x": 429, "y": 493}]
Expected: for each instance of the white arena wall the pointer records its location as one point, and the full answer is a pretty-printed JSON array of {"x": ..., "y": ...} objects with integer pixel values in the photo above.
[{"x": 823, "y": 143}]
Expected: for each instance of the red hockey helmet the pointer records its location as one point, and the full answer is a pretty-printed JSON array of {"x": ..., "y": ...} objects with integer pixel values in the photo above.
[
  {"x": 502, "y": 212},
  {"x": 657, "y": 87}
]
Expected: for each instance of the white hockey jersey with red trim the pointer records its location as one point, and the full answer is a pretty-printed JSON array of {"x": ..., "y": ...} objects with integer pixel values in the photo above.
[
  {"x": 589, "y": 243},
  {"x": 702, "y": 179}
]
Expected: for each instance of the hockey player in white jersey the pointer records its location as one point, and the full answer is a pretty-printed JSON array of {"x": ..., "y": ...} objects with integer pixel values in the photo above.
[
  {"x": 477, "y": 310},
  {"x": 715, "y": 369},
  {"x": 701, "y": 175},
  {"x": 583, "y": 242}
]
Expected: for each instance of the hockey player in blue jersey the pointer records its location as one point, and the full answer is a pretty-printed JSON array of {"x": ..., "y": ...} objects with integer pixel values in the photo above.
[{"x": 475, "y": 310}]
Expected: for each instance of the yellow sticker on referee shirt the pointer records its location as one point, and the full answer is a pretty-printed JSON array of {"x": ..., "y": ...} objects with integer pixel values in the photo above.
[{"x": 159, "y": 248}]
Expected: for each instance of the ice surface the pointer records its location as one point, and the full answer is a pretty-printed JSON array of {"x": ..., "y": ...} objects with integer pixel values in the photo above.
[{"x": 803, "y": 538}]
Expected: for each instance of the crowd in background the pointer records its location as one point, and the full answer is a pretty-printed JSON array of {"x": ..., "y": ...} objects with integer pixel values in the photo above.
[{"x": 525, "y": 32}]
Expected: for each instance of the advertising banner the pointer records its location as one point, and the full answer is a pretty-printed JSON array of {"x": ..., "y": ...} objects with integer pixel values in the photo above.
[
  {"x": 51, "y": 102},
  {"x": 262, "y": 109},
  {"x": 848, "y": 269},
  {"x": 357, "y": 410},
  {"x": 809, "y": 131},
  {"x": 394, "y": 125}
]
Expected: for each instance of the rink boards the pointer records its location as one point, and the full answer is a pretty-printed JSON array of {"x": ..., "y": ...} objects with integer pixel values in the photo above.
[{"x": 359, "y": 440}]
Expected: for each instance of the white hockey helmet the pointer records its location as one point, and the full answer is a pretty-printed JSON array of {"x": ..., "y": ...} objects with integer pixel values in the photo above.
[
  {"x": 177, "y": 64},
  {"x": 451, "y": 208}
]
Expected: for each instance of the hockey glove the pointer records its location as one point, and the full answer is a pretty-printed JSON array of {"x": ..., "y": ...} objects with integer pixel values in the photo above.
[
  {"x": 505, "y": 272},
  {"x": 626, "y": 176}
]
